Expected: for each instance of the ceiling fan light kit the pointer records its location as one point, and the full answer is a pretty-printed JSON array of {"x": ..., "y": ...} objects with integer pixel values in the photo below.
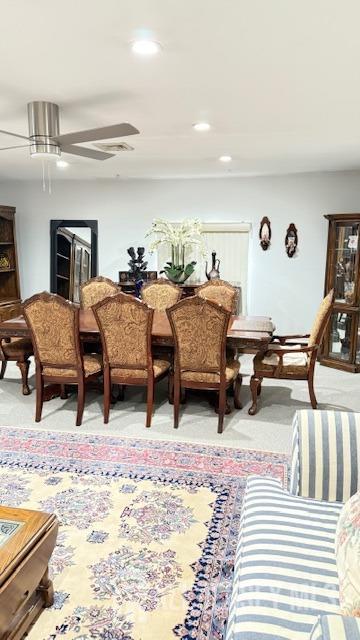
[
  {"x": 43, "y": 120},
  {"x": 45, "y": 141}
]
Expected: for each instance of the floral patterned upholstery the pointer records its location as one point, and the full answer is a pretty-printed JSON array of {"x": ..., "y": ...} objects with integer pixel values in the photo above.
[
  {"x": 92, "y": 365},
  {"x": 52, "y": 323},
  {"x": 200, "y": 325},
  {"x": 159, "y": 367},
  {"x": 160, "y": 294},
  {"x": 125, "y": 326},
  {"x": 95, "y": 290},
  {"x": 347, "y": 546},
  {"x": 231, "y": 371},
  {"x": 325, "y": 306},
  {"x": 221, "y": 292}
]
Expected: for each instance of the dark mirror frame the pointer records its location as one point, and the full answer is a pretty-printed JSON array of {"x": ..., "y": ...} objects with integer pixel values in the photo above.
[{"x": 54, "y": 226}]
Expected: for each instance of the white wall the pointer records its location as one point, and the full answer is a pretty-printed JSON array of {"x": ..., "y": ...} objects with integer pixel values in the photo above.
[{"x": 286, "y": 289}]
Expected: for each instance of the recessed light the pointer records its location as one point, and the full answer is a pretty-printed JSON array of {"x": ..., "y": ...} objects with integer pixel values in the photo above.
[
  {"x": 145, "y": 47},
  {"x": 62, "y": 164},
  {"x": 225, "y": 158},
  {"x": 201, "y": 126}
]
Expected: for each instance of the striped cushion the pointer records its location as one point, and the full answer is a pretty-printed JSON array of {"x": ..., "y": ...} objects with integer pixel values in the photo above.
[
  {"x": 285, "y": 569},
  {"x": 336, "y": 628},
  {"x": 326, "y": 451}
]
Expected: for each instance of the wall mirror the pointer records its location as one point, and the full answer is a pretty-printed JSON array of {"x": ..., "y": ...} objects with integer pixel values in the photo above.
[{"x": 73, "y": 256}]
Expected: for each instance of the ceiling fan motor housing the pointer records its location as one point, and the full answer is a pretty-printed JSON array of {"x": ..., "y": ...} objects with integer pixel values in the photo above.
[{"x": 43, "y": 120}]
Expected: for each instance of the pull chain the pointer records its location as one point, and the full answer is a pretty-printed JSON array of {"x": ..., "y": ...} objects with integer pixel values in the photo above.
[{"x": 49, "y": 177}]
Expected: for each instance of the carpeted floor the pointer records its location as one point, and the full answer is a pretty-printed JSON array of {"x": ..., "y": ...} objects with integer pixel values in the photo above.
[
  {"x": 148, "y": 530},
  {"x": 270, "y": 429}
]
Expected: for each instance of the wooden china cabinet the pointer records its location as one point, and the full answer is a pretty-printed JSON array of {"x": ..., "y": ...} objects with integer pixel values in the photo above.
[
  {"x": 73, "y": 264},
  {"x": 341, "y": 348},
  {"x": 10, "y": 298}
]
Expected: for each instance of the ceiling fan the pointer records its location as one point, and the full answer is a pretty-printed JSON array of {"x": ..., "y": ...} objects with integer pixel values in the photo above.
[{"x": 44, "y": 140}]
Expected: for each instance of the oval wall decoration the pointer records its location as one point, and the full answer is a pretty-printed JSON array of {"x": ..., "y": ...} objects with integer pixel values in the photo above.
[
  {"x": 291, "y": 240},
  {"x": 265, "y": 233}
]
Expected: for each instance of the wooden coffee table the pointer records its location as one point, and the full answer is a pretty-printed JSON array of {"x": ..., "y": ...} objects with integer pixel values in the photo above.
[{"x": 27, "y": 540}]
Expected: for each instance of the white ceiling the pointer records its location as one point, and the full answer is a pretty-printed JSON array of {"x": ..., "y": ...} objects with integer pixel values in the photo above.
[{"x": 279, "y": 80}]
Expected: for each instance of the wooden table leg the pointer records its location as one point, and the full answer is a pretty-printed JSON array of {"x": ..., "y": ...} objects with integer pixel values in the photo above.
[{"x": 47, "y": 590}]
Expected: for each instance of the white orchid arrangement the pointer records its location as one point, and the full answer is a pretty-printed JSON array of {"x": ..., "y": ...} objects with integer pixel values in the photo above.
[{"x": 179, "y": 236}]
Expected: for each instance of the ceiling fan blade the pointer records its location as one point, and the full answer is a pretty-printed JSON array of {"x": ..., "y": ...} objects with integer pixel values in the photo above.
[
  {"x": 102, "y": 133},
  {"x": 18, "y": 146},
  {"x": 16, "y": 135},
  {"x": 86, "y": 153}
]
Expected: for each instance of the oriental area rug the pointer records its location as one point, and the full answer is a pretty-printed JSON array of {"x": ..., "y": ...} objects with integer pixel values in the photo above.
[{"x": 148, "y": 530}]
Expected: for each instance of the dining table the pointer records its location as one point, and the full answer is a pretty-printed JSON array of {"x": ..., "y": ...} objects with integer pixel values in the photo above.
[{"x": 251, "y": 333}]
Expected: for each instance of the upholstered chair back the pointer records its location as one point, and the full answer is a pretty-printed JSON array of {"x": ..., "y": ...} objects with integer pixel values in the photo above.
[
  {"x": 54, "y": 326},
  {"x": 321, "y": 320},
  {"x": 125, "y": 327},
  {"x": 221, "y": 292},
  {"x": 96, "y": 289},
  {"x": 160, "y": 294},
  {"x": 199, "y": 327}
]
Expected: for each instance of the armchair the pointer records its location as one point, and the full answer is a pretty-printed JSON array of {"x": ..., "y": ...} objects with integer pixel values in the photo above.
[
  {"x": 286, "y": 360},
  {"x": 325, "y": 462},
  {"x": 286, "y": 583},
  {"x": 325, "y": 466}
]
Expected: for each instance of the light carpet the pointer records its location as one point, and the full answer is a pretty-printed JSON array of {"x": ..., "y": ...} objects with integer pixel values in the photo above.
[
  {"x": 148, "y": 530},
  {"x": 269, "y": 429}
]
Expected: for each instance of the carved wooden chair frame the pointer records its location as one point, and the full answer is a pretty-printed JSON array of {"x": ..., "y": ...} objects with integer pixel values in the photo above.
[
  {"x": 178, "y": 383},
  {"x": 226, "y": 285},
  {"x": 80, "y": 380},
  {"x": 278, "y": 372},
  {"x": 109, "y": 377},
  {"x": 97, "y": 279}
]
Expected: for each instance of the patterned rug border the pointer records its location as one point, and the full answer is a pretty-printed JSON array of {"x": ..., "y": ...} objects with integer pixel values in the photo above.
[
  {"x": 197, "y": 459},
  {"x": 38, "y": 450},
  {"x": 118, "y": 436}
]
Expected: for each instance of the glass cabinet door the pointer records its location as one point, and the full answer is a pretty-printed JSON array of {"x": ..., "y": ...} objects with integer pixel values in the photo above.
[
  {"x": 77, "y": 274},
  {"x": 345, "y": 276},
  {"x": 340, "y": 336}
]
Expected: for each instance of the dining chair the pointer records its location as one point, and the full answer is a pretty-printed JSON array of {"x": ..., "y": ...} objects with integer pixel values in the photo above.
[
  {"x": 17, "y": 350},
  {"x": 125, "y": 325},
  {"x": 221, "y": 292},
  {"x": 96, "y": 289},
  {"x": 160, "y": 294},
  {"x": 292, "y": 361},
  {"x": 199, "y": 328},
  {"x": 54, "y": 327}
]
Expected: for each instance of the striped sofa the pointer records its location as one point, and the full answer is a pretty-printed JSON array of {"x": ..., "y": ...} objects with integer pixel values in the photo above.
[{"x": 285, "y": 578}]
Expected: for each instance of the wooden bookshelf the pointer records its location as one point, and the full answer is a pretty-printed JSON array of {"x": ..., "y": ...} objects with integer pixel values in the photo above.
[{"x": 10, "y": 297}]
